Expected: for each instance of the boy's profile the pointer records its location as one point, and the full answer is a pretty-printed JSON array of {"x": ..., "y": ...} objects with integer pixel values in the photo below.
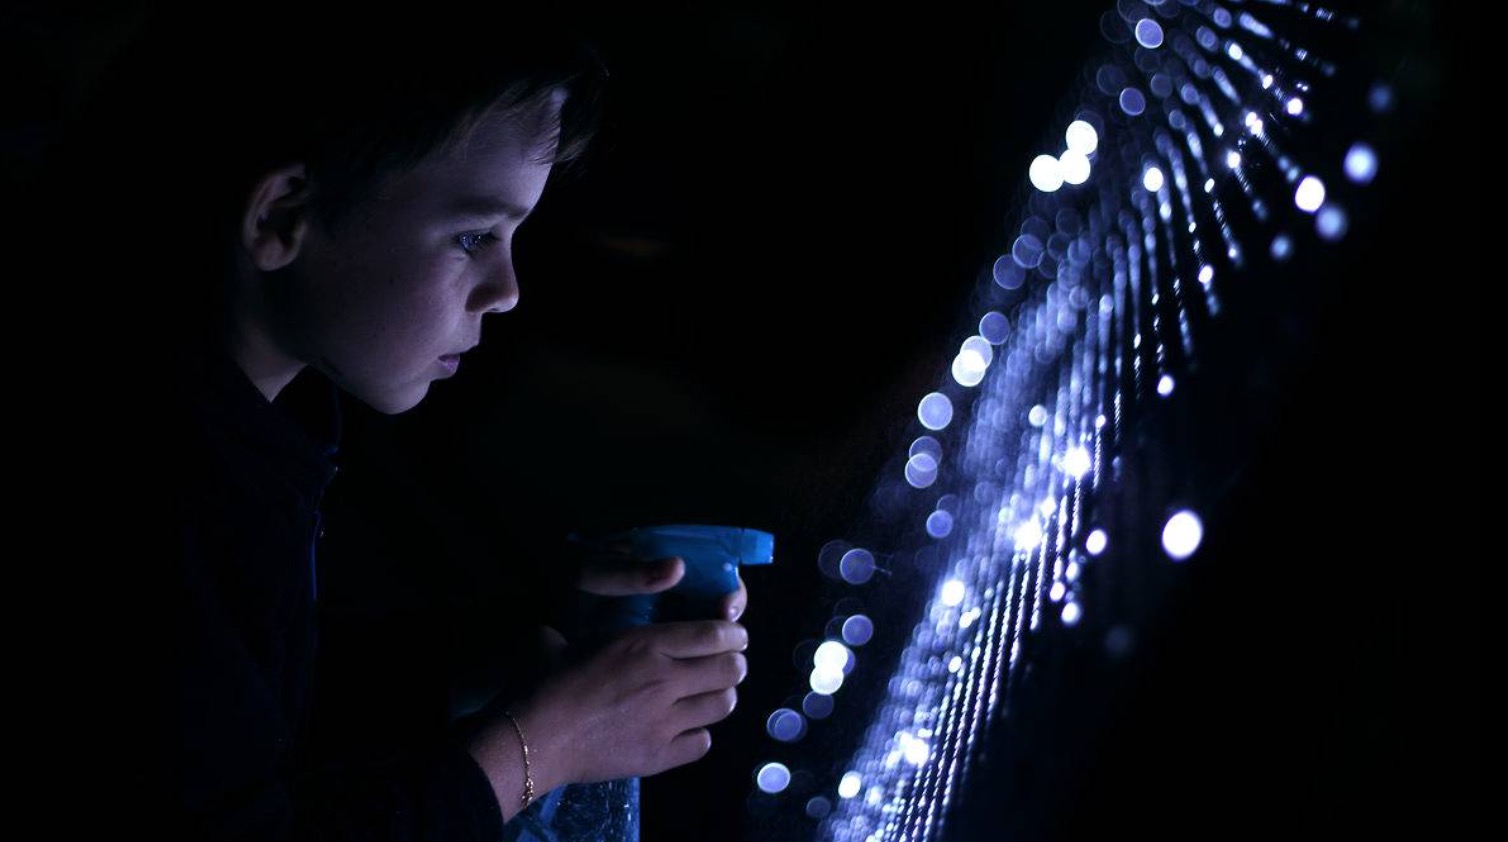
[{"x": 343, "y": 204}]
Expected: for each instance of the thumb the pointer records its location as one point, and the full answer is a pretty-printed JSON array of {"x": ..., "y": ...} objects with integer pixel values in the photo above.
[{"x": 617, "y": 577}]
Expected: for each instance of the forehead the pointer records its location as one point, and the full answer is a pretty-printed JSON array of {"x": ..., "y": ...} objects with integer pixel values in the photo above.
[{"x": 505, "y": 154}]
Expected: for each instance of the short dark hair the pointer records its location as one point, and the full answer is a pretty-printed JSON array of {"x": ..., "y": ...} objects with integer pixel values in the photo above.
[{"x": 198, "y": 105}]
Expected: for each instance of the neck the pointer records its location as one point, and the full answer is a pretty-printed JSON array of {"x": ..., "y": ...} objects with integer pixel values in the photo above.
[{"x": 263, "y": 363}]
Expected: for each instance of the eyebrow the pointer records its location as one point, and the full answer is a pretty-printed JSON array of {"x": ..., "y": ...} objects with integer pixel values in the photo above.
[{"x": 472, "y": 207}]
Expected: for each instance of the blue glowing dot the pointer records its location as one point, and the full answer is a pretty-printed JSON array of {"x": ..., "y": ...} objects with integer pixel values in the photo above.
[
  {"x": 1152, "y": 179},
  {"x": 1233, "y": 159},
  {"x": 1028, "y": 535},
  {"x": 1331, "y": 223},
  {"x": 1037, "y": 415},
  {"x": 1206, "y": 274},
  {"x": 980, "y": 346},
  {"x": 856, "y": 567},
  {"x": 939, "y": 524},
  {"x": 1209, "y": 185},
  {"x": 773, "y": 777},
  {"x": 1310, "y": 194},
  {"x": 928, "y": 445},
  {"x": 935, "y": 411},
  {"x": 921, "y": 470},
  {"x": 1294, "y": 106},
  {"x": 994, "y": 327},
  {"x": 1074, "y": 167},
  {"x": 1082, "y": 138},
  {"x": 785, "y": 725},
  {"x": 1222, "y": 17},
  {"x": 1133, "y": 101},
  {"x": 1008, "y": 273},
  {"x": 1380, "y": 98},
  {"x": 1165, "y": 385},
  {"x": 1148, "y": 33},
  {"x": 1207, "y": 38},
  {"x": 1234, "y": 51},
  {"x": 817, "y": 705},
  {"x": 1107, "y": 304},
  {"x": 831, "y": 656},
  {"x": 1076, "y": 462},
  {"x": 1282, "y": 247},
  {"x": 849, "y": 786},
  {"x": 1071, "y": 571},
  {"x": 1096, "y": 542},
  {"x": 818, "y": 807},
  {"x": 826, "y": 682},
  {"x": 857, "y": 630},
  {"x": 1267, "y": 81},
  {"x": 1182, "y": 534},
  {"x": 1057, "y": 591},
  {"x": 1071, "y": 613},
  {"x": 955, "y": 664},
  {"x": 1047, "y": 507},
  {"x": 1361, "y": 163},
  {"x": 1045, "y": 174},
  {"x": 1027, "y": 251},
  {"x": 953, "y": 592}
]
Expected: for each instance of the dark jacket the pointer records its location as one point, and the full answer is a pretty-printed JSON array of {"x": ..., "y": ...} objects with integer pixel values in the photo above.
[{"x": 254, "y": 478}]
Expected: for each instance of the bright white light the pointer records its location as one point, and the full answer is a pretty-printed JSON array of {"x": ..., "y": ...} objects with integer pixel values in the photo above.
[
  {"x": 849, "y": 786},
  {"x": 1047, "y": 507},
  {"x": 915, "y": 750},
  {"x": 1037, "y": 415},
  {"x": 857, "y": 630},
  {"x": 955, "y": 664},
  {"x": 1077, "y": 462},
  {"x": 994, "y": 327},
  {"x": 1071, "y": 613},
  {"x": 1148, "y": 33},
  {"x": 1255, "y": 125},
  {"x": 831, "y": 655},
  {"x": 1331, "y": 223},
  {"x": 1267, "y": 81},
  {"x": 1165, "y": 385},
  {"x": 1074, "y": 167},
  {"x": 1071, "y": 571},
  {"x": 1295, "y": 106},
  {"x": 826, "y": 682},
  {"x": 1152, "y": 179},
  {"x": 969, "y": 368},
  {"x": 939, "y": 524},
  {"x": 953, "y": 592},
  {"x": 1045, "y": 173},
  {"x": 1096, "y": 542},
  {"x": 1310, "y": 194},
  {"x": 1057, "y": 591},
  {"x": 968, "y": 618},
  {"x": 1082, "y": 138},
  {"x": 1361, "y": 163},
  {"x": 1209, "y": 185},
  {"x": 935, "y": 411},
  {"x": 1233, "y": 159},
  {"x": 981, "y": 346},
  {"x": 1234, "y": 51},
  {"x": 1028, "y": 535},
  {"x": 1182, "y": 534},
  {"x": 1206, "y": 274},
  {"x": 773, "y": 777}
]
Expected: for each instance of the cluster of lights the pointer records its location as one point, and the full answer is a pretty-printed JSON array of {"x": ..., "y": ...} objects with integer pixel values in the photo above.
[{"x": 1090, "y": 315}]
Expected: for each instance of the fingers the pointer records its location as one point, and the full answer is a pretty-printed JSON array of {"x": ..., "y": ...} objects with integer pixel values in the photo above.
[
  {"x": 610, "y": 576},
  {"x": 687, "y": 747},
  {"x": 707, "y": 708},
  {"x": 712, "y": 673},
  {"x": 735, "y": 603},
  {"x": 697, "y": 639}
]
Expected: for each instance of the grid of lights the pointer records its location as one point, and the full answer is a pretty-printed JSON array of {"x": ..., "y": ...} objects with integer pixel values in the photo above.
[{"x": 1118, "y": 262}]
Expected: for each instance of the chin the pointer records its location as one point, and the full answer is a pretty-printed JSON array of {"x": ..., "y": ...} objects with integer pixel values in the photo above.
[{"x": 395, "y": 402}]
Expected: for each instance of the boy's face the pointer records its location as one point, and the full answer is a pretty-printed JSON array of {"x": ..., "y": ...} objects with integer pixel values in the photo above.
[{"x": 384, "y": 302}]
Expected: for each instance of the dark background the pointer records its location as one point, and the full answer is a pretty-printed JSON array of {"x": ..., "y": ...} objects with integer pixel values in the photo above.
[{"x": 730, "y": 317}]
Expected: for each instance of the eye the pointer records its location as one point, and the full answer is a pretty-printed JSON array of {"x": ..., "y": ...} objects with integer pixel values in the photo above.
[{"x": 475, "y": 241}]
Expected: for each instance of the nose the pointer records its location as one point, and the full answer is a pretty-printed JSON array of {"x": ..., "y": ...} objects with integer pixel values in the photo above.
[{"x": 497, "y": 289}]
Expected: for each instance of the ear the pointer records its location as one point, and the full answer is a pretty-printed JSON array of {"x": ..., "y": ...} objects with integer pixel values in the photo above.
[{"x": 276, "y": 218}]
